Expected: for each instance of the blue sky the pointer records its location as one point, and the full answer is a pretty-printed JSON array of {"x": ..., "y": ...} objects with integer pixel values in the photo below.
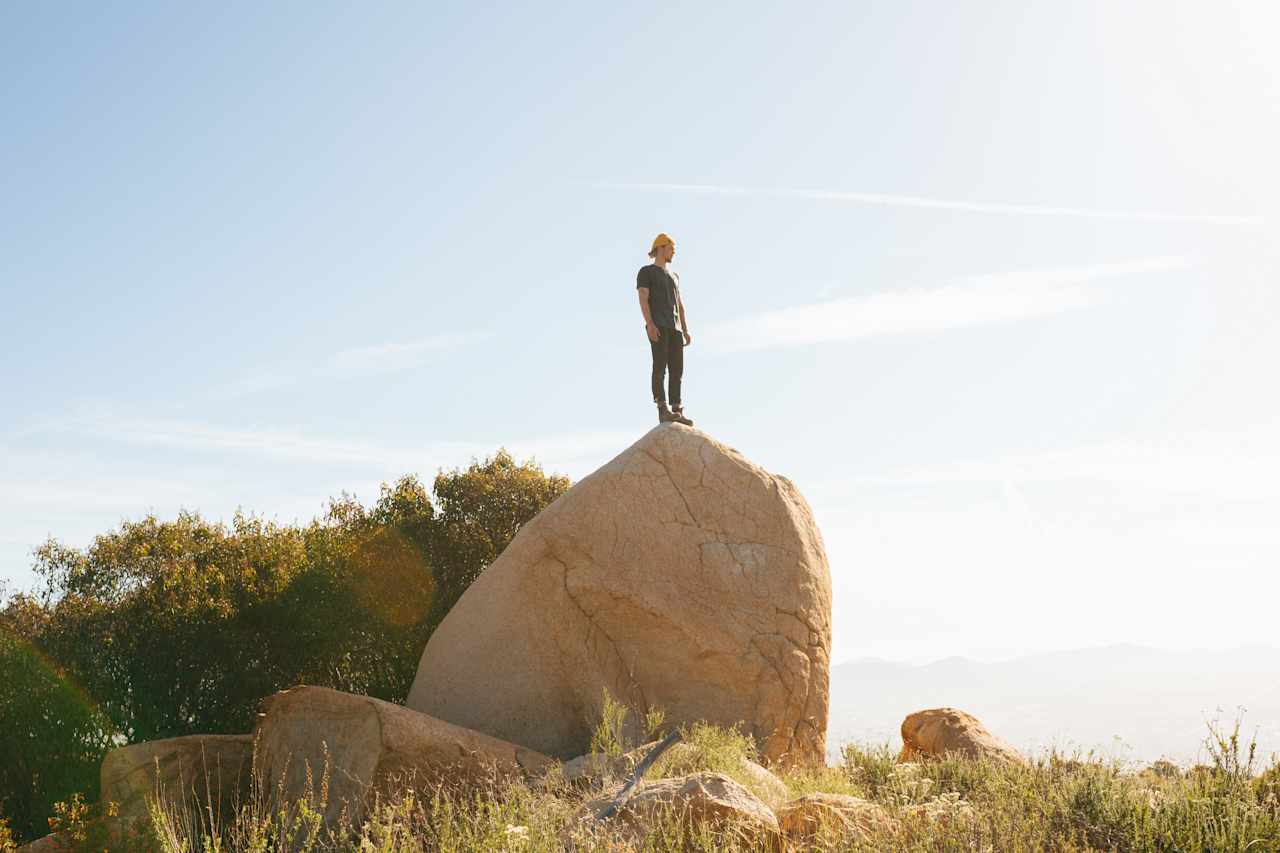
[{"x": 994, "y": 282}]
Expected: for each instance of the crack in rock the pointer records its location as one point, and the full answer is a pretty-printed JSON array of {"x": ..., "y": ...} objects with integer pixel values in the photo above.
[{"x": 595, "y": 626}]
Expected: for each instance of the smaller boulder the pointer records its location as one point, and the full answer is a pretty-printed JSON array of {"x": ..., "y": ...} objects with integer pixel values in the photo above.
[
  {"x": 686, "y": 758},
  {"x": 596, "y": 771},
  {"x": 206, "y": 770},
  {"x": 370, "y": 746},
  {"x": 762, "y": 782},
  {"x": 698, "y": 800},
  {"x": 938, "y": 731},
  {"x": 833, "y": 816}
]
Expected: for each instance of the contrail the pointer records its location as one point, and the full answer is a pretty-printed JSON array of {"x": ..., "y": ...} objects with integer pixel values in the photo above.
[
  {"x": 892, "y": 200},
  {"x": 979, "y": 300}
]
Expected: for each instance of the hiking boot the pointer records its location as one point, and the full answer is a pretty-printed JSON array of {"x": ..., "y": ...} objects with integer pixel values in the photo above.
[
  {"x": 677, "y": 414},
  {"x": 665, "y": 415}
]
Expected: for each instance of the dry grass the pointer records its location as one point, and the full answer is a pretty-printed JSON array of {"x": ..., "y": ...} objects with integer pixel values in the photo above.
[{"x": 1056, "y": 804}]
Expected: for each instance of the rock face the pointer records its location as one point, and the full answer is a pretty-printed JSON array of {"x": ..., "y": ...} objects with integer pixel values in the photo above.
[
  {"x": 701, "y": 799},
  {"x": 938, "y": 731},
  {"x": 371, "y": 745},
  {"x": 678, "y": 576},
  {"x": 833, "y": 816},
  {"x": 206, "y": 769}
]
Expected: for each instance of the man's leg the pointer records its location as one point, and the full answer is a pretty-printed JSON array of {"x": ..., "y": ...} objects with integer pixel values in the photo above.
[
  {"x": 659, "y": 350},
  {"x": 675, "y": 363}
]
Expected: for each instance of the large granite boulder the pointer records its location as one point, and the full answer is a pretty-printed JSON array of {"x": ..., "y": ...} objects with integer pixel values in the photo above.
[
  {"x": 678, "y": 576},
  {"x": 366, "y": 746},
  {"x": 207, "y": 771},
  {"x": 938, "y": 731}
]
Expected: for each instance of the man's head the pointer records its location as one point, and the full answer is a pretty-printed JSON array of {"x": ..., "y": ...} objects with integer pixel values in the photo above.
[{"x": 663, "y": 249}]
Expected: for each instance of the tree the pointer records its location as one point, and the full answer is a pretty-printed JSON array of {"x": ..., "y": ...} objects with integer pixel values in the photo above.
[
  {"x": 480, "y": 511},
  {"x": 179, "y": 627}
]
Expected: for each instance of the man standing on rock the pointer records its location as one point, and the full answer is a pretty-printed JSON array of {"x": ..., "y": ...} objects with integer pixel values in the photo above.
[{"x": 665, "y": 324}]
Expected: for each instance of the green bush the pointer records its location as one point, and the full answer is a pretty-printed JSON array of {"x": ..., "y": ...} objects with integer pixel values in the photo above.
[
  {"x": 51, "y": 741},
  {"x": 177, "y": 627}
]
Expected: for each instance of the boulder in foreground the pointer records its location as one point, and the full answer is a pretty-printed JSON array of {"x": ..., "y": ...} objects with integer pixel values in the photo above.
[
  {"x": 373, "y": 746},
  {"x": 207, "y": 770},
  {"x": 596, "y": 771},
  {"x": 938, "y": 731},
  {"x": 699, "y": 800},
  {"x": 679, "y": 576}
]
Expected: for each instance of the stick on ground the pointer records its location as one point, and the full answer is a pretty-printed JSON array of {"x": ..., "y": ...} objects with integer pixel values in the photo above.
[{"x": 638, "y": 774}]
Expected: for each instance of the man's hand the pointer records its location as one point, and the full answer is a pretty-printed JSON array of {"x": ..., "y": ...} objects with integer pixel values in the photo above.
[
  {"x": 688, "y": 338},
  {"x": 653, "y": 331}
]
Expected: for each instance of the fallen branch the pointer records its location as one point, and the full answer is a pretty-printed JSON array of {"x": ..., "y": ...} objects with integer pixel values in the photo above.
[{"x": 636, "y": 775}]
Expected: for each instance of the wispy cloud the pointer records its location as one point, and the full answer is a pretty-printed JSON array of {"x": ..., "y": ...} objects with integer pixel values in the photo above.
[
  {"x": 346, "y": 363},
  {"x": 1240, "y": 465},
  {"x": 278, "y": 444},
  {"x": 574, "y": 453},
  {"x": 972, "y": 301},
  {"x": 382, "y": 358},
  {"x": 896, "y": 200}
]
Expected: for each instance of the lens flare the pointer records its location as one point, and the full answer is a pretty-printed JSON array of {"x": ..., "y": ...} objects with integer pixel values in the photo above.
[{"x": 394, "y": 581}]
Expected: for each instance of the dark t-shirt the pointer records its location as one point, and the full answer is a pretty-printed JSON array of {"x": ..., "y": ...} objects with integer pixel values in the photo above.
[{"x": 663, "y": 295}]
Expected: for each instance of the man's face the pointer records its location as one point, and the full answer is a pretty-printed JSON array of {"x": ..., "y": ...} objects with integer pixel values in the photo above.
[{"x": 667, "y": 252}]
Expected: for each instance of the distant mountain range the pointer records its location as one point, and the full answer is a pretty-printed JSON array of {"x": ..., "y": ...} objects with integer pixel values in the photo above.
[{"x": 1129, "y": 702}]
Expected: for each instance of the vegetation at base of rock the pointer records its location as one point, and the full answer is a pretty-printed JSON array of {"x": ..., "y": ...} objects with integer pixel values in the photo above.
[
  {"x": 704, "y": 747},
  {"x": 166, "y": 628},
  {"x": 1061, "y": 803},
  {"x": 608, "y": 737}
]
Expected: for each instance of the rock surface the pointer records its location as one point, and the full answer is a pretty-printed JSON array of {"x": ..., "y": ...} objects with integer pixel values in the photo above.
[
  {"x": 55, "y": 842},
  {"x": 937, "y": 731},
  {"x": 761, "y": 782},
  {"x": 700, "y": 799},
  {"x": 832, "y": 816},
  {"x": 596, "y": 771},
  {"x": 373, "y": 746},
  {"x": 206, "y": 769},
  {"x": 678, "y": 576}
]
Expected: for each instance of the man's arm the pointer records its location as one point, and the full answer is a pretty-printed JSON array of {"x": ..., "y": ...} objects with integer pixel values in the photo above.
[
  {"x": 684, "y": 324},
  {"x": 650, "y": 329}
]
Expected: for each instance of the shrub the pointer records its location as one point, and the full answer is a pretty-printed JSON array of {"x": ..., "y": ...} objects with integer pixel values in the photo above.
[
  {"x": 166, "y": 628},
  {"x": 52, "y": 739}
]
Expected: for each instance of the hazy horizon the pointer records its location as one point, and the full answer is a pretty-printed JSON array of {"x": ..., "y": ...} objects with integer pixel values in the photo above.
[{"x": 1127, "y": 703}]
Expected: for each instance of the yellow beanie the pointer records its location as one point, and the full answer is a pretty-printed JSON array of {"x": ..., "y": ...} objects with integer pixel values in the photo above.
[{"x": 661, "y": 240}]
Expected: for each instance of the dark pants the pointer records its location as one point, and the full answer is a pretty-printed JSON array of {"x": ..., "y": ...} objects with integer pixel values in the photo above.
[{"x": 668, "y": 354}]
